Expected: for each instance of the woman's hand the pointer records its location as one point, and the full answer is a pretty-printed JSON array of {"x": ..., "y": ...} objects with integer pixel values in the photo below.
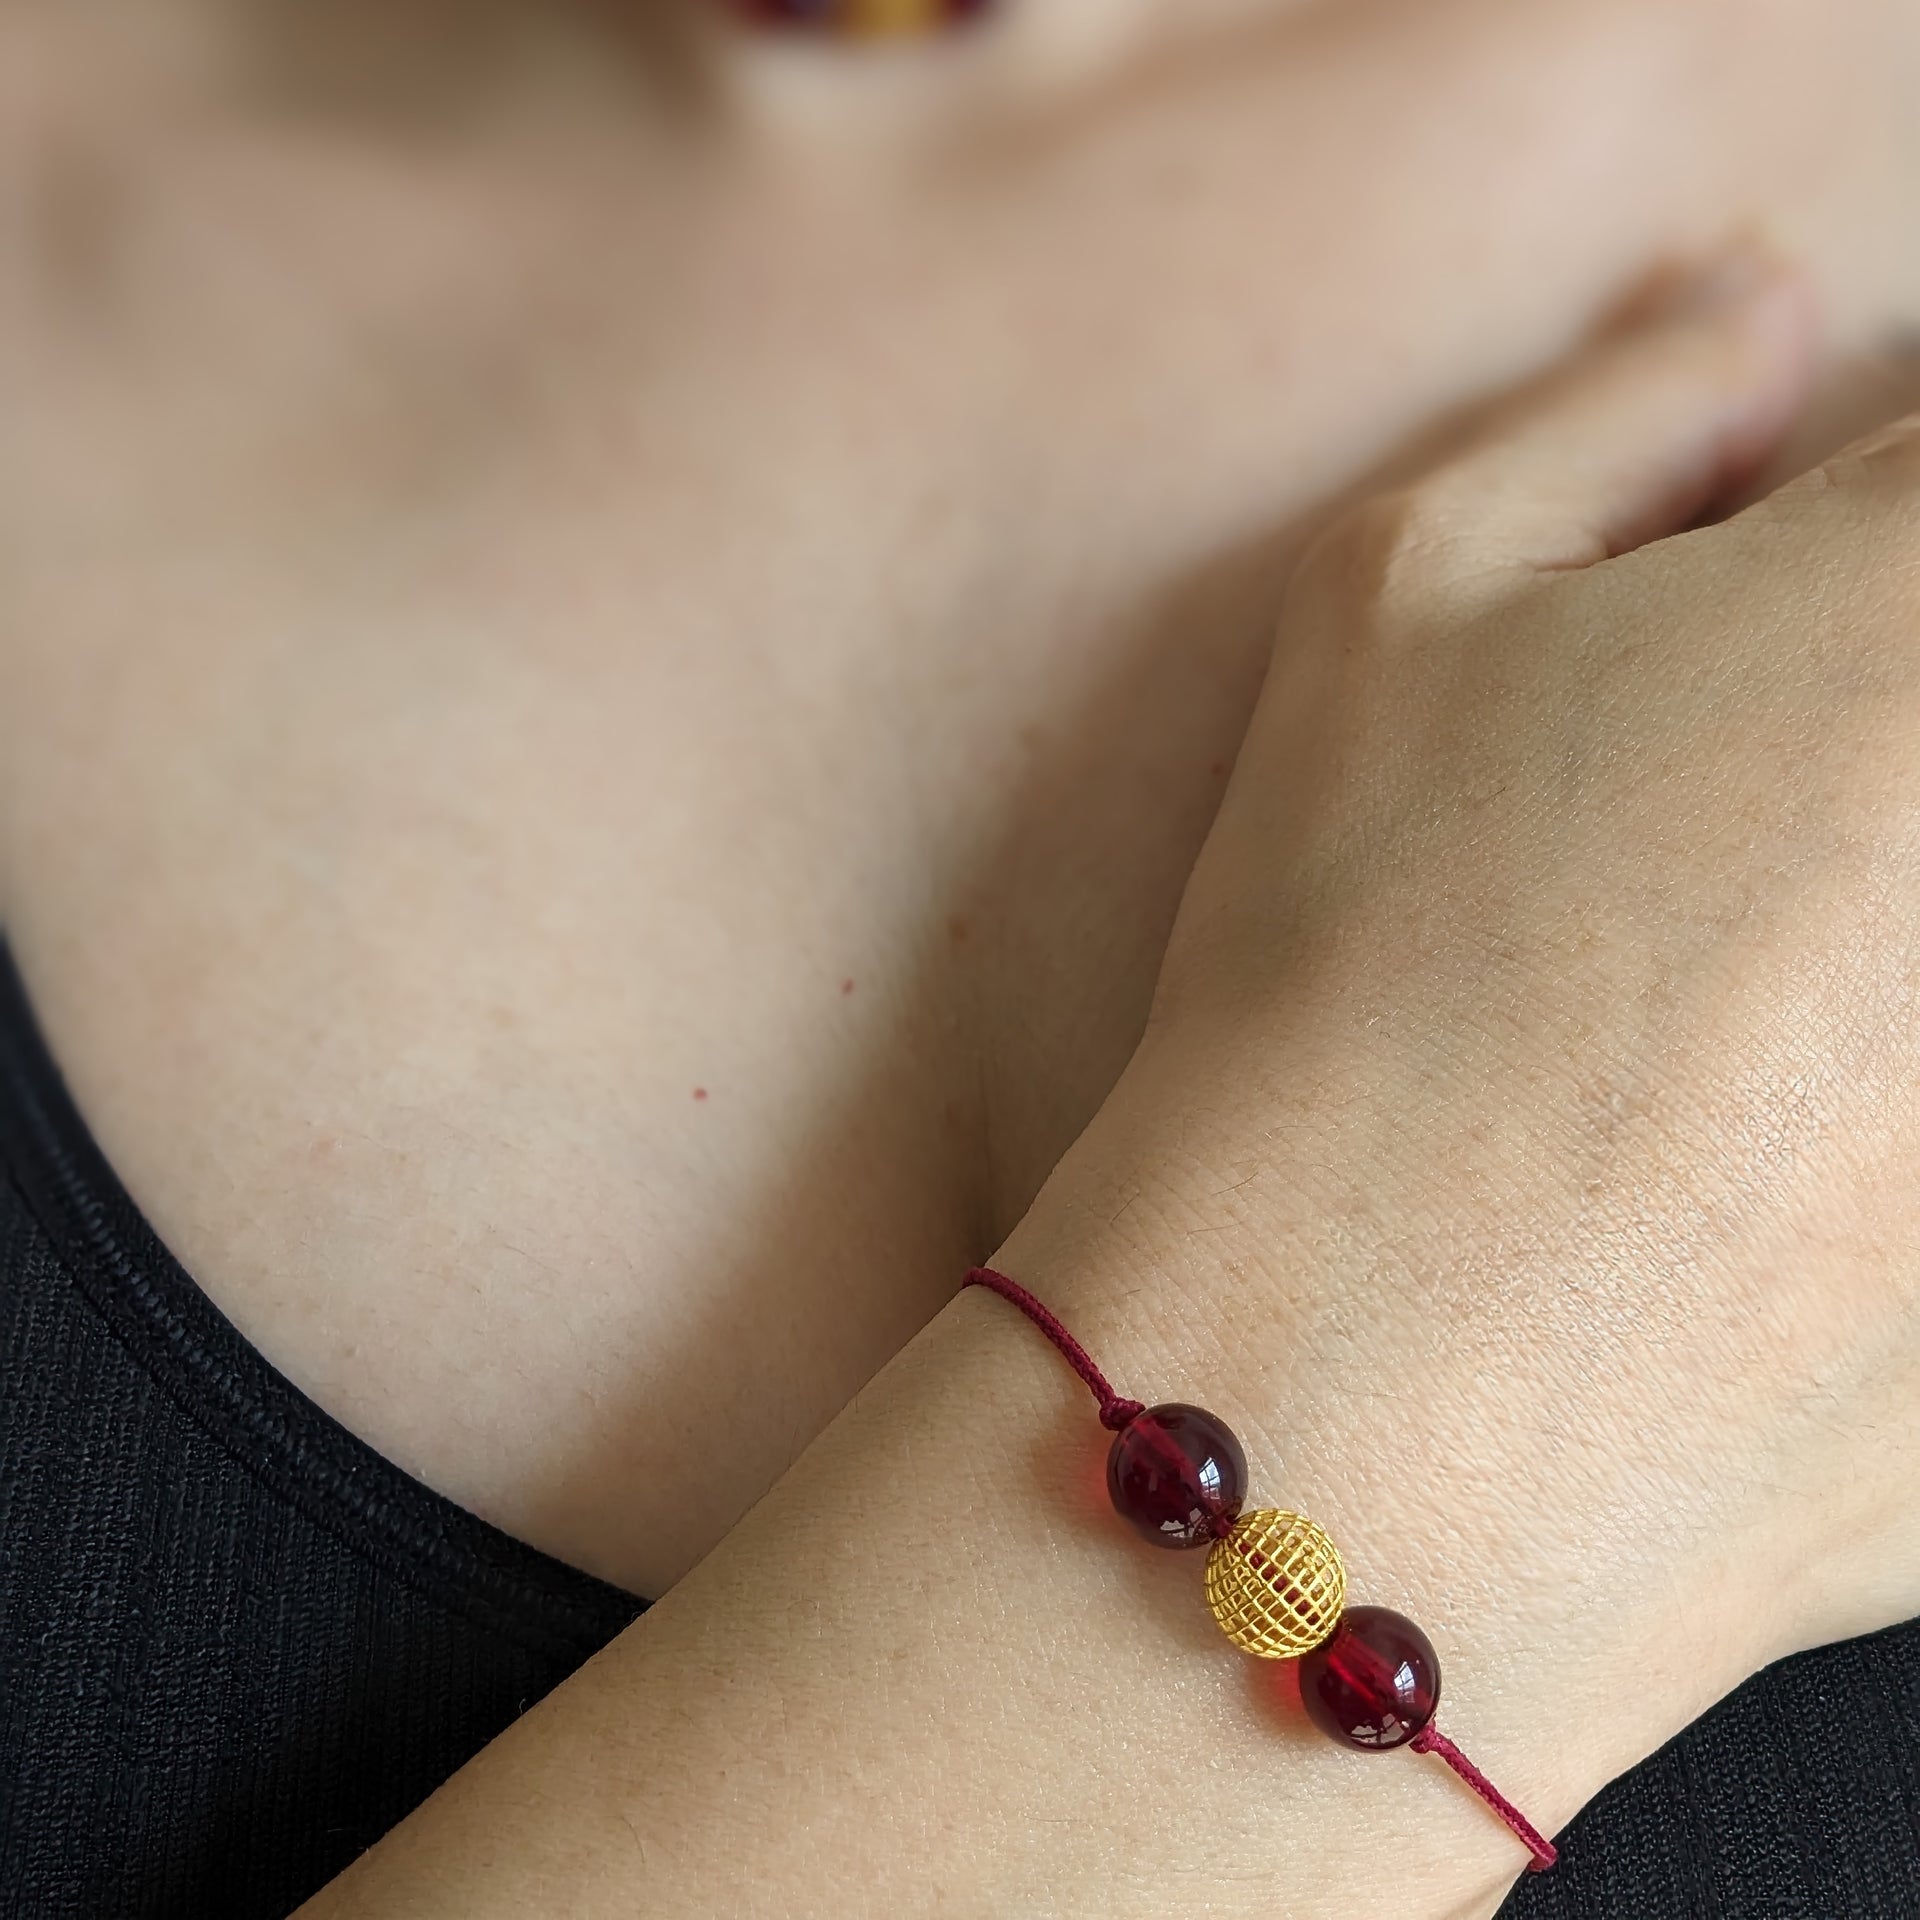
[
  {"x": 1524, "y": 1160},
  {"x": 1528, "y": 1123}
]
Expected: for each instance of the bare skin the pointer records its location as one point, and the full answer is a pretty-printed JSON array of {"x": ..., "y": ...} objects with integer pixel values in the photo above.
[
  {"x": 612, "y": 682},
  {"x": 1523, "y": 1157}
]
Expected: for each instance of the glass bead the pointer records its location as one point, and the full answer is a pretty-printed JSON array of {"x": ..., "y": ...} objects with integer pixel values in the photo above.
[
  {"x": 1374, "y": 1683},
  {"x": 1178, "y": 1475}
]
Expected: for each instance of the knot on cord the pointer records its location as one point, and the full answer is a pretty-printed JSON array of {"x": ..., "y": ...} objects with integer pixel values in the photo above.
[{"x": 1115, "y": 1411}]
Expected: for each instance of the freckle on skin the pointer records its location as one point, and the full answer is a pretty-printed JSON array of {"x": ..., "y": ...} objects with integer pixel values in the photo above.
[
  {"x": 956, "y": 929},
  {"x": 699, "y": 1093},
  {"x": 846, "y": 986},
  {"x": 1218, "y": 768}
]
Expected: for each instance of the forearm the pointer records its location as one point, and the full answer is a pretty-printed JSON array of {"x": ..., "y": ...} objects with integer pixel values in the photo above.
[
  {"x": 927, "y": 1675},
  {"x": 931, "y": 1672}
]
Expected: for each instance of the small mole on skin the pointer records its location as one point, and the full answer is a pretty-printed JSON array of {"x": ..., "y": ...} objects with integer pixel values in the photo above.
[
  {"x": 699, "y": 1093},
  {"x": 846, "y": 986},
  {"x": 1218, "y": 768},
  {"x": 956, "y": 930}
]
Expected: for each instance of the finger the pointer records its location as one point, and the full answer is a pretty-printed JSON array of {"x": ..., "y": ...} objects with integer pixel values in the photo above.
[{"x": 1634, "y": 440}]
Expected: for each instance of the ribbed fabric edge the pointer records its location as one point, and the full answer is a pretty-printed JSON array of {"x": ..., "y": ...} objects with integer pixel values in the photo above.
[{"x": 259, "y": 1418}]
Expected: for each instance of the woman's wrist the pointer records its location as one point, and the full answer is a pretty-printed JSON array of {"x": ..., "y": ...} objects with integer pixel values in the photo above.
[
  {"x": 933, "y": 1671},
  {"x": 1579, "y": 1625}
]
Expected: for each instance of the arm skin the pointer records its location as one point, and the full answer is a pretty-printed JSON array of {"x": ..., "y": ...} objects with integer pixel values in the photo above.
[
  {"x": 928, "y": 1675},
  {"x": 1522, "y": 1160}
]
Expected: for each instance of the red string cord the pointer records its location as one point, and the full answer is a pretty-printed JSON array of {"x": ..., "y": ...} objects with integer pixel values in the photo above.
[
  {"x": 1545, "y": 1853},
  {"x": 1116, "y": 1411}
]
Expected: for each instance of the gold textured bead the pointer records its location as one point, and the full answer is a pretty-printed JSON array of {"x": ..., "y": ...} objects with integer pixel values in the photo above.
[
  {"x": 1276, "y": 1584},
  {"x": 877, "y": 19}
]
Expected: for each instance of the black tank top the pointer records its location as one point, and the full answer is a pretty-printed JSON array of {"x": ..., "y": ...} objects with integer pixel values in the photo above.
[{"x": 236, "y": 1645}]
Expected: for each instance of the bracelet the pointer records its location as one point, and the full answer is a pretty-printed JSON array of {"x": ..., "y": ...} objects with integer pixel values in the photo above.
[{"x": 1369, "y": 1678}]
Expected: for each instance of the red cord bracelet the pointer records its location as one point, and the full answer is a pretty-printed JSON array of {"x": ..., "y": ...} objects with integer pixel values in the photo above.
[{"x": 1369, "y": 1678}]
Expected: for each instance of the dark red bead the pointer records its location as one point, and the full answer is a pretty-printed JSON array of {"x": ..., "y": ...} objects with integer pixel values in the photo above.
[
  {"x": 1375, "y": 1683},
  {"x": 1177, "y": 1473},
  {"x": 790, "y": 13}
]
